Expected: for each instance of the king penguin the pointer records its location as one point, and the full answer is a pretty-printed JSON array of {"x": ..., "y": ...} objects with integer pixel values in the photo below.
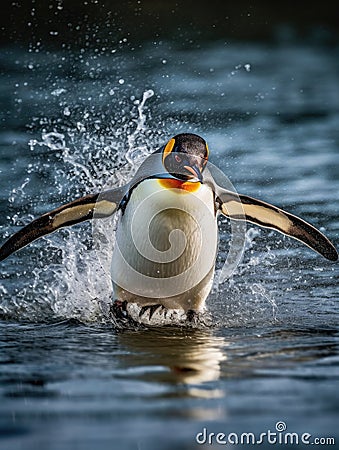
[{"x": 167, "y": 235}]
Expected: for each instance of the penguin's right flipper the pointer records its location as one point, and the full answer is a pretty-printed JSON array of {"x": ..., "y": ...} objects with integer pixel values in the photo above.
[{"x": 91, "y": 206}]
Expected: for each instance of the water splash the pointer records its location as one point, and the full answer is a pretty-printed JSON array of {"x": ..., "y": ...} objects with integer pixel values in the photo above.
[
  {"x": 18, "y": 191},
  {"x": 67, "y": 280},
  {"x": 136, "y": 153},
  {"x": 244, "y": 299}
]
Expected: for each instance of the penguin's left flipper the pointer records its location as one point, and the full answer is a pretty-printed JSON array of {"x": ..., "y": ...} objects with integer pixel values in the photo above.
[
  {"x": 92, "y": 206},
  {"x": 242, "y": 207}
]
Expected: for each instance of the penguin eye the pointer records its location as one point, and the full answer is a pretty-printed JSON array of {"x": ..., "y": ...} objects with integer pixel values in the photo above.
[{"x": 177, "y": 158}]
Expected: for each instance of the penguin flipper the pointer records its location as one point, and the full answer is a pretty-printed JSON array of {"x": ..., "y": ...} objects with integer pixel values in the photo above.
[
  {"x": 85, "y": 208},
  {"x": 242, "y": 207}
]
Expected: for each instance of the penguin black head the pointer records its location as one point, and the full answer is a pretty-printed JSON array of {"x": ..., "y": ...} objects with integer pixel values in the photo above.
[{"x": 185, "y": 156}]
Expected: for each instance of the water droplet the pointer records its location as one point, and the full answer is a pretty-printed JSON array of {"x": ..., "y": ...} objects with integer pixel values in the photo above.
[
  {"x": 54, "y": 141},
  {"x": 148, "y": 94},
  {"x": 81, "y": 127},
  {"x": 58, "y": 92}
]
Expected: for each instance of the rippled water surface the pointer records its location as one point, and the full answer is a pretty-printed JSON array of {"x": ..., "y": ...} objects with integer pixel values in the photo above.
[{"x": 76, "y": 122}]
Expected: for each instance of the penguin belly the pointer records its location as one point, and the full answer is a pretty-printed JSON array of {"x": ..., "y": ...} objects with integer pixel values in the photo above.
[{"x": 166, "y": 246}]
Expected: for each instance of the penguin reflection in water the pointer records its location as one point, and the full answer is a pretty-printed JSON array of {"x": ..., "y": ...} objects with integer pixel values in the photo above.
[{"x": 167, "y": 236}]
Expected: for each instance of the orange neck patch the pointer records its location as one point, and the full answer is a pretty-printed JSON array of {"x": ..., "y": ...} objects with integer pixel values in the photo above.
[{"x": 185, "y": 186}]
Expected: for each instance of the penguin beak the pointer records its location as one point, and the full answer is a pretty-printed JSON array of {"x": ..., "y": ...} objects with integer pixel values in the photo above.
[{"x": 195, "y": 171}]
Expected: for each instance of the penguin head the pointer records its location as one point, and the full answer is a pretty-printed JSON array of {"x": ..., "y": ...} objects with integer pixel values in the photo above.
[{"x": 185, "y": 156}]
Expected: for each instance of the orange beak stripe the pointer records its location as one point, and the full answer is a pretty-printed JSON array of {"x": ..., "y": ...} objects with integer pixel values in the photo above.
[
  {"x": 189, "y": 169},
  {"x": 167, "y": 150}
]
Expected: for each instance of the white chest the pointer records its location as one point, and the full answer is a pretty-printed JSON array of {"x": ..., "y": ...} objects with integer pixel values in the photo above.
[{"x": 166, "y": 239}]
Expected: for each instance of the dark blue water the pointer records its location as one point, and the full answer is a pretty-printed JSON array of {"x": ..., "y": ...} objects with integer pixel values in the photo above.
[{"x": 75, "y": 122}]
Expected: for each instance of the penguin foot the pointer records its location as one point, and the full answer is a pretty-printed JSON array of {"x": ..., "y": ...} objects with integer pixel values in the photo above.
[
  {"x": 119, "y": 309},
  {"x": 121, "y": 318},
  {"x": 152, "y": 309},
  {"x": 192, "y": 316}
]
